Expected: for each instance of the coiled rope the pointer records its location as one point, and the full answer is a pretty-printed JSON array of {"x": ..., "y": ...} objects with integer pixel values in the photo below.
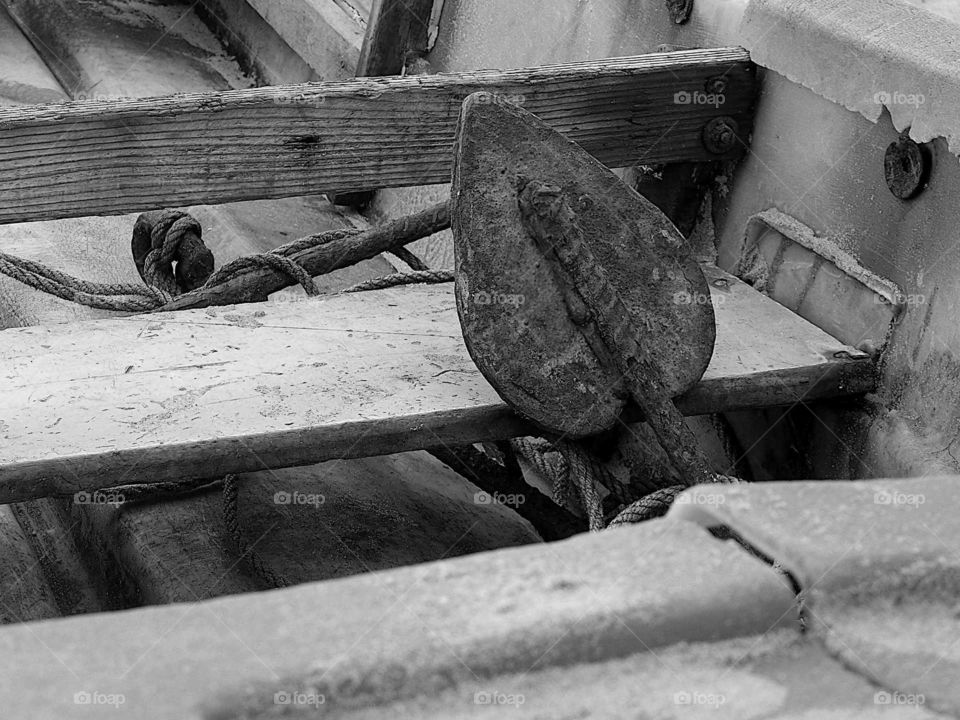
[{"x": 579, "y": 479}]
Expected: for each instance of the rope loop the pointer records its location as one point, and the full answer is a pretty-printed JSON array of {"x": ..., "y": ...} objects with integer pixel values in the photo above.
[
  {"x": 170, "y": 229},
  {"x": 273, "y": 260},
  {"x": 648, "y": 507}
]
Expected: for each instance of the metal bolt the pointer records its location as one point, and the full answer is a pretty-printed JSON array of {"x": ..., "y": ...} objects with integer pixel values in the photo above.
[
  {"x": 716, "y": 85},
  {"x": 906, "y": 167},
  {"x": 679, "y": 10},
  {"x": 720, "y": 135}
]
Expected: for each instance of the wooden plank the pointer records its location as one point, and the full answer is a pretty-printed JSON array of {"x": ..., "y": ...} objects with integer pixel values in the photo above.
[
  {"x": 111, "y": 157},
  {"x": 321, "y": 32},
  {"x": 393, "y": 28},
  {"x": 191, "y": 394}
]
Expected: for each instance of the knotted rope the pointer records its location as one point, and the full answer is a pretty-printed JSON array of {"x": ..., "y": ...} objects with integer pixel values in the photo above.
[
  {"x": 163, "y": 238},
  {"x": 169, "y": 233}
]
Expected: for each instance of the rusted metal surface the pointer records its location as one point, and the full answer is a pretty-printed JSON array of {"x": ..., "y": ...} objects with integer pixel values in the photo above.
[
  {"x": 510, "y": 303},
  {"x": 906, "y": 168}
]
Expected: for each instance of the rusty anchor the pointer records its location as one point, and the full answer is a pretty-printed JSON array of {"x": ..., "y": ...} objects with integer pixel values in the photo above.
[{"x": 605, "y": 304}]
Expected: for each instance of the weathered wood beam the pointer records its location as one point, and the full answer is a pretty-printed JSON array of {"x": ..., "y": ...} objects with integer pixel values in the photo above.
[
  {"x": 191, "y": 394},
  {"x": 109, "y": 157},
  {"x": 393, "y": 28}
]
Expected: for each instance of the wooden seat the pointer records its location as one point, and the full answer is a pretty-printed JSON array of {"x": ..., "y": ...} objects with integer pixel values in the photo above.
[{"x": 199, "y": 393}]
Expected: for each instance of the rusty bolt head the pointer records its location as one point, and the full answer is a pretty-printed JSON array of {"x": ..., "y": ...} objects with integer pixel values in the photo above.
[
  {"x": 906, "y": 168},
  {"x": 720, "y": 135},
  {"x": 716, "y": 85},
  {"x": 679, "y": 10}
]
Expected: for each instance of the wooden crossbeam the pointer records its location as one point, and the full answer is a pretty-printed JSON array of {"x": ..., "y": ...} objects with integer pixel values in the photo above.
[
  {"x": 193, "y": 394},
  {"x": 103, "y": 157}
]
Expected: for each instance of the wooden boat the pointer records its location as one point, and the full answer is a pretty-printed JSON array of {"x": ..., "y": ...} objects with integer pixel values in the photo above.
[{"x": 816, "y": 201}]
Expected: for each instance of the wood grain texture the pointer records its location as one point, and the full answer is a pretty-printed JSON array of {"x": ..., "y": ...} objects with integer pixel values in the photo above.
[
  {"x": 110, "y": 157},
  {"x": 192, "y": 394}
]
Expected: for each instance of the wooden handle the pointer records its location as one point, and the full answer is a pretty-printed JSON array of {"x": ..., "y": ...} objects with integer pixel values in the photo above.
[{"x": 595, "y": 305}]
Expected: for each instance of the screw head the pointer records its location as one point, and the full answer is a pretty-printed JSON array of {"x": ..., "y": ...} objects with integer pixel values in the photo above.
[
  {"x": 716, "y": 85},
  {"x": 720, "y": 135},
  {"x": 906, "y": 168}
]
